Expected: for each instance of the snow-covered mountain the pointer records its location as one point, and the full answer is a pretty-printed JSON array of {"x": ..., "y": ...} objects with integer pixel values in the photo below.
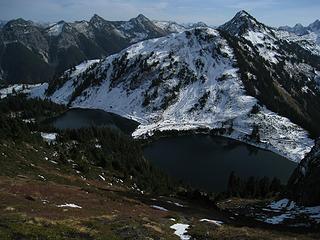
[
  {"x": 199, "y": 79},
  {"x": 301, "y": 30},
  {"x": 53, "y": 49},
  {"x": 309, "y": 41},
  {"x": 297, "y": 29},
  {"x": 308, "y": 37},
  {"x": 194, "y": 25},
  {"x": 173, "y": 27},
  {"x": 170, "y": 26},
  {"x": 281, "y": 74},
  {"x": 132, "y": 31}
]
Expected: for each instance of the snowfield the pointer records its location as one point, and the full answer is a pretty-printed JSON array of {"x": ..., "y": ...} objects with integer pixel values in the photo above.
[
  {"x": 21, "y": 88},
  {"x": 201, "y": 55}
]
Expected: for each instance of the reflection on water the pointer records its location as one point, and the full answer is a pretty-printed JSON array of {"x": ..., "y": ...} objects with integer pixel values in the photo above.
[
  {"x": 206, "y": 162},
  {"x": 79, "y": 118}
]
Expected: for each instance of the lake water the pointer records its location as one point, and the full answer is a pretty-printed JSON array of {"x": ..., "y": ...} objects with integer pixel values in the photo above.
[
  {"x": 80, "y": 118},
  {"x": 207, "y": 161},
  {"x": 201, "y": 160}
]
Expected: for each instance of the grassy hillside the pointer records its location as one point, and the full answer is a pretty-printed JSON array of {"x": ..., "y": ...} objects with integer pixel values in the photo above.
[{"x": 96, "y": 184}]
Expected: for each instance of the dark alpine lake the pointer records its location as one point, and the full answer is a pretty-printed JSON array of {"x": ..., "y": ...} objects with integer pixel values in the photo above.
[
  {"x": 203, "y": 161},
  {"x": 206, "y": 161},
  {"x": 82, "y": 118}
]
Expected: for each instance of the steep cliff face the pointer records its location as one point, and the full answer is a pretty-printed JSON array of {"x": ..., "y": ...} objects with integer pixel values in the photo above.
[{"x": 304, "y": 184}]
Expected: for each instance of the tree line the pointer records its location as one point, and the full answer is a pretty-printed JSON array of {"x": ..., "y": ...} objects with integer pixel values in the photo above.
[{"x": 253, "y": 187}]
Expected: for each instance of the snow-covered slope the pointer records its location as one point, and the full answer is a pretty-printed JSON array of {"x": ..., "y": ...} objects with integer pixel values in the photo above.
[
  {"x": 261, "y": 36},
  {"x": 170, "y": 26},
  {"x": 173, "y": 27},
  {"x": 55, "y": 29},
  {"x": 281, "y": 74},
  {"x": 184, "y": 81},
  {"x": 298, "y": 29},
  {"x": 21, "y": 88},
  {"x": 307, "y": 37}
]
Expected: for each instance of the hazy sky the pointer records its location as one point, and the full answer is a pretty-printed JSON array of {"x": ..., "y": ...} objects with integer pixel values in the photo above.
[{"x": 213, "y": 12}]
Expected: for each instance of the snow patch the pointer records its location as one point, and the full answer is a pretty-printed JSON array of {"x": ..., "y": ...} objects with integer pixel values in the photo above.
[
  {"x": 49, "y": 137},
  {"x": 69, "y": 205},
  {"x": 279, "y": 204},
  {"x": 181, "y": 231},
  {"x": 55, "y": 29},
  {"x": 289, "y": 210},
  {"x": 218, "y": 223},
  {"x": 278, "y": 219},
  {"x": 103, "y": 178},
  {"x": 159, "y": 208}
]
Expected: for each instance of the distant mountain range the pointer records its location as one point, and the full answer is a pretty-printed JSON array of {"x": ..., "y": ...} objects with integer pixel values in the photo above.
[
  {"x": 34, "y": 52},
  {"x": 31, "y": 52},
  {"x": 300, "y": 30},
  {"x": 308, "y": 37}
]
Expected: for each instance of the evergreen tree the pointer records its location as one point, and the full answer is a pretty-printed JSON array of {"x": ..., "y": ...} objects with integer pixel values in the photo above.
[
  {"x": 233, "y": 185},
  {"x": 251, "y": 187},
  {"x": 275, "y": 185},
  {"x": 264, "y": 186}
]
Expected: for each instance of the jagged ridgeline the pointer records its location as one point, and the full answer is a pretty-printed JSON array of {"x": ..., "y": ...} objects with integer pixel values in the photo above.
[
  {"x": 241, "y": 77},
  {"x": 282, "y": 75},
  {"x": 31, "y": 53}
]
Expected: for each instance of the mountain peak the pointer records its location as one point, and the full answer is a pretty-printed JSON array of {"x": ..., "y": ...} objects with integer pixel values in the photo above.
[
  {"x": 241, "y": 23},
  {"x": 316, "y": 22},
  {"x": 297, "y": 29},
  {"x": 315, "y": 26},
  {"x": 19, "y": 21},
  {"x": 96, "y": 18},
  {"x": 98, "y": 21},
  {"x": 56, "y": 29},
  {"x": 242, "y": 14},
  {"x": 61, "y": 22},
  {"x": 298, "y": 25},
  {"x": 142, "y": 17},
  {"x": 195, "y": 25}
]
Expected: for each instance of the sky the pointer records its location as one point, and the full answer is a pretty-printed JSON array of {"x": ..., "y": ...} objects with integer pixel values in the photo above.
[{"x": 213, "y": 12}]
